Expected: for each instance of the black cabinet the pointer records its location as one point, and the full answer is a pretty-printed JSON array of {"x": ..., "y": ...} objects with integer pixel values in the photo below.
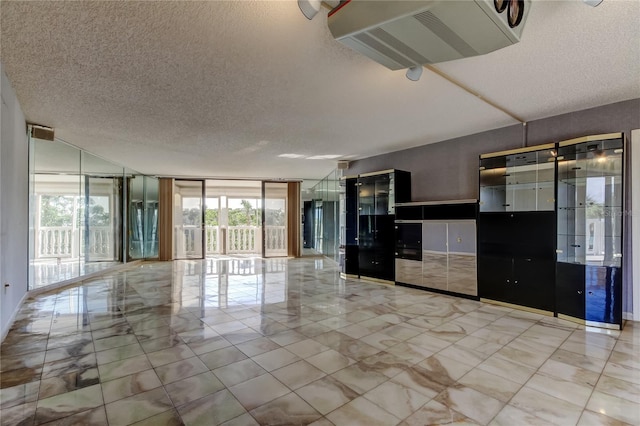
[
  {"x": 520, "y": 281},
  {"x": 408, "y": 242},
  {"x": 517, "y": 227},
  {"x": 377, "y": 263},
  {"x": 590, "y": 222},
  {"x": 349, "y": 225},
  {"x": 376, "y": 256},
  {"x": 516, "y": 258},
  {"x": 495, "y": 274},
  {"x": 570, "y": 297},
  {"x": 550, "y": 228},
  {"x": 375, "y": 196}
]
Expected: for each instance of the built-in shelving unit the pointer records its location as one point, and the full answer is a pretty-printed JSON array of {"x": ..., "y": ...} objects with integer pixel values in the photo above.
[
  {"x": 550, "y": 229},
  {"x": 369, "y": 207},
  {"x": 589, "y": 243},
  {"x": 516, "y": 227}
]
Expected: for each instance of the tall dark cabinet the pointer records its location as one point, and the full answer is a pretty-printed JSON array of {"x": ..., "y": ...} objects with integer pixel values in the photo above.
[
  {"x": 377, "y": 195},
  {"x": 550, "y": 228},
  {"x": 589, "y": 242},
  {"x": 517, "y": 227},
  {"x": 349, "y": 225},
  {"x": 371, "y": 224}
]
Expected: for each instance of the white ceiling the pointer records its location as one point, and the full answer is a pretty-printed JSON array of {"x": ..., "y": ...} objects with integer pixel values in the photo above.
[{"x": 222, "y": 88}]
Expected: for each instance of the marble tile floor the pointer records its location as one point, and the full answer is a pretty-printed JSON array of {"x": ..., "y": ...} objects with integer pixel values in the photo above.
[{"x": 288, "y": 342}]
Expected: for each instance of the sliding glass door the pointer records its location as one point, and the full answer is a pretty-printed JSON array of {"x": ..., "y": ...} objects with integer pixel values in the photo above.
[
  {"x": 102, "y": 213},
  {"x": 274, "y": 218},
  {"x": 188, "y": 219}
]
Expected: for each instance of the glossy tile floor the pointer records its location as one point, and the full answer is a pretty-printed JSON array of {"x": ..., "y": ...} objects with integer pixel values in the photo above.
[
  {"x": 245, "y": 342},
  {"x": 50, "y": 271}
]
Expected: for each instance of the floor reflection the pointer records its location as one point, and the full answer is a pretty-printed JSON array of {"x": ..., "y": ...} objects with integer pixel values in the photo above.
[
  {"x": 47, "y": 272},
  {"x": 286, "y": 341}
]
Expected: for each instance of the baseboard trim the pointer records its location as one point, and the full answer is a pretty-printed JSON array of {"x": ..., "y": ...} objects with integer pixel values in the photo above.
[
  {"x": 12, "y": 319},
  {"x": 520, "y": 307}
]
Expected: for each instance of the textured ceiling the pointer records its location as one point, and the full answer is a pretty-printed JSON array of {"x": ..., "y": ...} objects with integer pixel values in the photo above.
[{"x": 222, "y": 88}]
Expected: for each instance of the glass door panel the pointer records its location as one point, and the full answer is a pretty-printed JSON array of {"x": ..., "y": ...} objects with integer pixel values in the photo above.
[
  {"x": 151, "y": 205},
  {"x": 366, "y": 195},
  {"x": 101, "y": 236},
  {"x": 188, "y": 219},
  {"x": 275, "y": 234},
  {"x": 135, "y": 213},
  {"x": 590, "y": 203}
]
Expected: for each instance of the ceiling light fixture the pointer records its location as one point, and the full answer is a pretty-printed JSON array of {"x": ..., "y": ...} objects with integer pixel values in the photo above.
[
  {"x": 324, "y": 157},
  {"x": 291, "y": 155},
  {"x": 592, "y": 3},
  {"x": 414, "y": 73},
  {"x": 309, "y": 8}
]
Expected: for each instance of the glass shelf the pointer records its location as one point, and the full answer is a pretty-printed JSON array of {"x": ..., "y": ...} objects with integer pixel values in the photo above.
[
  {"x": 590, "y": 203},
  {"x": 518, "y": 182}
]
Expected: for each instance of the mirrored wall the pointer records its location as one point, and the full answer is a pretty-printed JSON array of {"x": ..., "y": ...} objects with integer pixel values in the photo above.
[
  {"x": 77, "y": 205},
  {"x": 320, "y": 227}
]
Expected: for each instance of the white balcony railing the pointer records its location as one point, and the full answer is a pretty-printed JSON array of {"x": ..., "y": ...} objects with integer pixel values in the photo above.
[
  {"x": 68, "y": 242},
  {"x": 237, "y": 240}
]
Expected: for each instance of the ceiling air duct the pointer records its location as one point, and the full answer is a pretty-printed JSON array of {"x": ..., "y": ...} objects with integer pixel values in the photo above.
[{"x": 403, "y": 34}]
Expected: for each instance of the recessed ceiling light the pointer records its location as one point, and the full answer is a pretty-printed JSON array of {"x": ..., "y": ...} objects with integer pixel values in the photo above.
[
  {"x": 324, "y": 157},
  {"x": 291, "y": 155}
]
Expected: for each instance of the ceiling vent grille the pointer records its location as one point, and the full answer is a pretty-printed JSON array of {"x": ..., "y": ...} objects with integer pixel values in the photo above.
[
  {"x": 401, "y": 34},
  {"x": 439, "y": 28}
]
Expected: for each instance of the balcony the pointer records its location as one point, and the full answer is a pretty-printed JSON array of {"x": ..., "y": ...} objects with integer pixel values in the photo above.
[
  {"x": 67, "y": 242},
  {"x": 232, "y": 240}
]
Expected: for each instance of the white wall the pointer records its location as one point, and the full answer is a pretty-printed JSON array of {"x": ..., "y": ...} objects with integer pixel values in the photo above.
[{"x": 14, "y": 205}]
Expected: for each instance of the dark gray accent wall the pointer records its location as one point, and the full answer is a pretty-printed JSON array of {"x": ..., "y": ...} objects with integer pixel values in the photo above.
[{"x": 449, "y": 170}]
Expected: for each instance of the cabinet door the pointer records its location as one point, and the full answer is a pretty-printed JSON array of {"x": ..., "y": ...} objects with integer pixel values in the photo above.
[
  {"x": 385, "y": 265},
  {"x": 603, "y": 295},
  {"x": 533, "y": 283},
  {"x": 385, "y": 232},
  {"x": 493, "y": 185},
  {"x": 382, "y": 194},
  {"x": 495, "y": 278},
  {"x": 570, "y": 291},
  {"x": 409, "y": 271},
  {"x": 375, "y": 263},
  {"x": 408, "y": 235},
  {"x": 462, "y": 274},
  {"x": 495, "y": 234},
  {"x": 351, "y": 211},
  {"x": 367, "y": 262},
  {"x": 434, "y": 255},
  {"x": 533, "y": 234},
  {"x": 366, "y": 231},
  {"x": 366, "y": 195},
  {"x": 351, "y": 260}
]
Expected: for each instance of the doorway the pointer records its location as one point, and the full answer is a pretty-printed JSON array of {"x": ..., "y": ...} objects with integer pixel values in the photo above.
[
  {"x": 274, "y": 219},
  {"x": 188, "y": 219}
]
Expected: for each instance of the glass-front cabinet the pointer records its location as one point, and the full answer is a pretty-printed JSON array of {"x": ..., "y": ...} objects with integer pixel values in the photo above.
[
  {"x": 589, "y": 237},
  {"x": 522, "y": 181},
  {"x": 367, "y": 208},
  {"x": 516, "y": 227}
]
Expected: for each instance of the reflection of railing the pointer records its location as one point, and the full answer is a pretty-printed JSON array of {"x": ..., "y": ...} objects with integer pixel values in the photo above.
[
  {"x": 276, "y": 240},
  {"x": 55, "y": 241},
  {"x": 237, "y": 240},
  {"x": 69, "y": 242}
]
